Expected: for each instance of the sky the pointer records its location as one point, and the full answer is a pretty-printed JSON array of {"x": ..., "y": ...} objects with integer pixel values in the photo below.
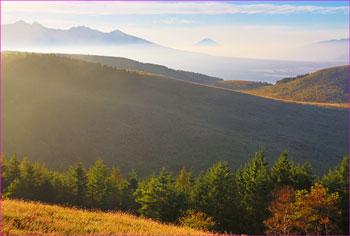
[{"x": 256, "y": 29}]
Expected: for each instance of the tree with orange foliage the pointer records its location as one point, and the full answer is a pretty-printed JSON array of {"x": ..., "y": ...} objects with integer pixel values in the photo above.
[
  {"x": 303, "y": 212},
  {"x": 282, "y": 210},
  {"x": 316, "y": 212}
]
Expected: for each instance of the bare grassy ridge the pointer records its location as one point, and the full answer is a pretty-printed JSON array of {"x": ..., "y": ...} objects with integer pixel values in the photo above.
[
  {"x": 328, "y": 86},
  {"x": 32, "y": 218}
]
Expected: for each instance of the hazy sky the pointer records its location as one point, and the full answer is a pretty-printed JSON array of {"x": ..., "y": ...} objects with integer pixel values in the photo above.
[{"x": 247, "y": 29}]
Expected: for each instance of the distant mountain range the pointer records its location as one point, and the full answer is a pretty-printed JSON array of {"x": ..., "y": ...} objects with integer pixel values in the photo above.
[
  {"x": 346, "y": 40},
  {"x": 24, "y": 34},
  {"x": 207, "y": 42}
]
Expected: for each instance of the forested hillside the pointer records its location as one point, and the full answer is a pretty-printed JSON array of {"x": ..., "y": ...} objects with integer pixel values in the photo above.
[
  {"x": 58, "y": 110},
  {"x": 330, "y": 85},
  {"x": 241, "y": 84},
  {"x": 281, "y": 198}
]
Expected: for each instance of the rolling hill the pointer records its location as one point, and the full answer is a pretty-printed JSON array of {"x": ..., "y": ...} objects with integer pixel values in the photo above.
[
  {"x": 33, "y": 218},
  {"x": 56, "y": 110},
  {"x": 329, "y": 85},
  {"x": 239, "y": 85},
  {"x": 125, "y": 63}
]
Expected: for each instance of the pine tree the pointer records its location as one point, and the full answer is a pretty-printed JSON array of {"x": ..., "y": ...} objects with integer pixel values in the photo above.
[
  {"x": 4, "y": 175},
  {"x": 78, "y": 183},
  {"x": 282, "y": 172},
  {"x": 213, "y": 195},
  {"x": 184, "y": 184},
  {"x": 285, "y": 173},
  {"x": 13, "y": 171},
  {"x": 97, "y": 185},
  {"x": 44, "y": 189},
  {"x": 303, "y": 176},
  {"x": 337, "y": 181},
  {"x": 117, "y": 191},
  {"x": 23, "y": 185},
  {"x": 254, "y": 192},
  {"x": 158, "y": 198},
  {"x": 132, "y": 205}
]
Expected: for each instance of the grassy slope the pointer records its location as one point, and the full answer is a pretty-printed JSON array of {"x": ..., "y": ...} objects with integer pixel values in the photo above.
[
  {"x": 31, "y": 218},
  {"x": 329, "y": 85},
  {"x": 56, "y": 109},
  {"x": 239, "y": 85}
]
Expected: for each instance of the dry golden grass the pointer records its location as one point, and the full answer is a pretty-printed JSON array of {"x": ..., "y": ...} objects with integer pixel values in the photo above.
[
  {"x": 330, "y": 105},
  {"x": 32, "y": 218}
]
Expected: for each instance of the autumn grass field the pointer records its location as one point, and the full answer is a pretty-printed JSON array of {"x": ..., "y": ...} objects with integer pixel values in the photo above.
[
  {"x": 31, "y": 218},
  {"x": 329, "y": 86},
  {"x": 320, "y": 104}
]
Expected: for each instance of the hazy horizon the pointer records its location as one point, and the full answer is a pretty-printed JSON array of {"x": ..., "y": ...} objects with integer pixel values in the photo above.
[{"x": 264, "y": 30}]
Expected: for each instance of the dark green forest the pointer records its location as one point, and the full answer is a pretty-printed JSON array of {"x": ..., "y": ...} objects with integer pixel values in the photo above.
[
  {"x": 259, "y": 197},
  {"x": 58, "y": 110}
]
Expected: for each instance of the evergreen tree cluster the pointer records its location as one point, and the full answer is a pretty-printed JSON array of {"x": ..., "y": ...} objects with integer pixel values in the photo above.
[{"x": 251, "y": 200}]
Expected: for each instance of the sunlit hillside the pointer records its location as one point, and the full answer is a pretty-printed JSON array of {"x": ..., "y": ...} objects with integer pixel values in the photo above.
[
  {"x": 329, "y": 85},
  {"x": 57, "y": 110},
  {"x": 32, "y": 218}
]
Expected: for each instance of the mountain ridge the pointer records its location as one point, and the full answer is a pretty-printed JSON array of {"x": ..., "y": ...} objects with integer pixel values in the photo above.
[{"x": 37, "y": 34}]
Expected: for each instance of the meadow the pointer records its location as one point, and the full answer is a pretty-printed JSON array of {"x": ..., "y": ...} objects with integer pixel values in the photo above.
[{"x": 20, "y": 217}]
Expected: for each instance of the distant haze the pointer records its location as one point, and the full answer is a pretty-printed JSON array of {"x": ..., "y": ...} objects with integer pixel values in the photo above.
[
  {"x": 265, "y": 30},
  {"x": 85, "y": 40}
]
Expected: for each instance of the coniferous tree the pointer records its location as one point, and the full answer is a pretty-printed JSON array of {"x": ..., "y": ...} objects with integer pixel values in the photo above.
[
  {"x": 97, "y": 185},
  {"x": 4, "y": 178},
  {"x": 158, "y": 198},
  {"x": 22, "y": 187},
  {"x": 285, "y": 173},
  {"x": 44, "y": 189},
  {"x": 337, "y": 181},
  {"x": 132, "y": 205},
  {"x": 282, "y": 172},
  {"x": 62, "y": 188},
  {"x": 184, "y": 184},
  {"x": 117, "y": 191},
  {"x": 133, "y": 179},
  {"x": 78, "y": 181},
  {"x": 214, "y": 195},
  {"x": 13, "y": 171},
  {"x": 303, "y": 176},
  {"x": 254, "y": 192}
]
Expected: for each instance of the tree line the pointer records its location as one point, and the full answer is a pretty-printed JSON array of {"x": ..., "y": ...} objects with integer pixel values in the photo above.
[{"x": 258, "y": 198}]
